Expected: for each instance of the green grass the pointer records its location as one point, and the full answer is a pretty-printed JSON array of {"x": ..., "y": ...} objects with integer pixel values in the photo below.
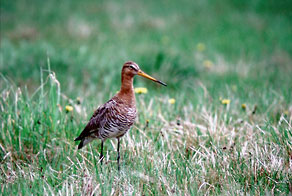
[{"x": 54, "y": 54}]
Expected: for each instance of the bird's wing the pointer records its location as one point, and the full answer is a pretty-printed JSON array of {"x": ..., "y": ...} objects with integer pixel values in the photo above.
[{"x": 97, "y": 120}]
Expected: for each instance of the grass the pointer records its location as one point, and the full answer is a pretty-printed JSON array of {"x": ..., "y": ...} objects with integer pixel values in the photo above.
[{"x": 71, "y": 53}]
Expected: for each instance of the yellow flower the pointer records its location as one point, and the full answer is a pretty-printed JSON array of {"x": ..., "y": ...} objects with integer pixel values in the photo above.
[
  {"x": 286, "y": 112},
  {"x": 201, "y": 47},
  {"x": 225, "y": 101},
  {"x": 141, "y": 90},
  {"x": 69, "y": 108},
  {"x": 171, "y": 101},
  {"x": 243, "y": 106},
  {"x": 208, "y": 64}
]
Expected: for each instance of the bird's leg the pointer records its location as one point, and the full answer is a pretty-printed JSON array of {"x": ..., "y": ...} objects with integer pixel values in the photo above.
[
  {"x": 118, "y": 154},
  {"x": 101, "y": 153}
]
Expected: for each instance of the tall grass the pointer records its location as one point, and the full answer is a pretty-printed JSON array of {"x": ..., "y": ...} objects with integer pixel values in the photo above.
[{"x": 200, "y": 151}]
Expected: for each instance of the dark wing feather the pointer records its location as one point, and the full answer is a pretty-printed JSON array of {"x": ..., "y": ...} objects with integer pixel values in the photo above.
[{"x": 96, "y": 121}]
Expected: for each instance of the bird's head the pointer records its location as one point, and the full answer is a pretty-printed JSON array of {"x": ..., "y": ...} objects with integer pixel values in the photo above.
[{"x": 131, "y": 68}]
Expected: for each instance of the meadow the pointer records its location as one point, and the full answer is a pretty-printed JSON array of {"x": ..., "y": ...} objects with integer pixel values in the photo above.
[{"x": 222, "y": 126}]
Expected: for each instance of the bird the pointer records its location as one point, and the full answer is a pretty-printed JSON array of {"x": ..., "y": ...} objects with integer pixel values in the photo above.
[{"x": 114, "y": 118}]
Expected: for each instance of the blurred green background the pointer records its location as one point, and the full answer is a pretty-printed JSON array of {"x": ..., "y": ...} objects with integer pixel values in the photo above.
[{"x": 247, "y": 42}]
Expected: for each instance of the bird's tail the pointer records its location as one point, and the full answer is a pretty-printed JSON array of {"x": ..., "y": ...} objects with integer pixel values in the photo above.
[{"x": 83, "y": 141}]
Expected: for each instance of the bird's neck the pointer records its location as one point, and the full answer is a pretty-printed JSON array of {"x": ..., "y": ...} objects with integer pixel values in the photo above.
[{"x": 127, "y": 89}]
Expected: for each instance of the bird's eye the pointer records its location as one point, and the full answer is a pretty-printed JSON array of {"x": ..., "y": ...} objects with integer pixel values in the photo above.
[{"x": 132, "y": 67}]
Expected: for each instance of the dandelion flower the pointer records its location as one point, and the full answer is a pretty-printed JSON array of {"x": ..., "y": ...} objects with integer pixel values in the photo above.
[
  {"x": 141, "y": 90},
  {"x": 69, "y": 108},
  {"x": 171, "y": 101},
  {"x": 201, "y": 47},
  {"x": 243, "y": 106},
  {"x": 225, "y": 101},
  {"x": 208, "y": 64}
]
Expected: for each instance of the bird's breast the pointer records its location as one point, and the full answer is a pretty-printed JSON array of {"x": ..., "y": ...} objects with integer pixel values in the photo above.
[{"x": 119, "y": 120}]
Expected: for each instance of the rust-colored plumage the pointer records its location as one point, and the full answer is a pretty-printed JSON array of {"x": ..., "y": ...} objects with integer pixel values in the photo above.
[{"x": 114, "y": 118}]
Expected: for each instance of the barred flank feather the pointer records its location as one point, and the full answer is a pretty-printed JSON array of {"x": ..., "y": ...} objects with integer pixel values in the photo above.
[{"x": 110, "y": 120}]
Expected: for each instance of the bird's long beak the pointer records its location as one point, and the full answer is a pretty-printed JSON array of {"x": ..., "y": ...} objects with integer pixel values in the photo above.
[{"x": 143, "y": 74}]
